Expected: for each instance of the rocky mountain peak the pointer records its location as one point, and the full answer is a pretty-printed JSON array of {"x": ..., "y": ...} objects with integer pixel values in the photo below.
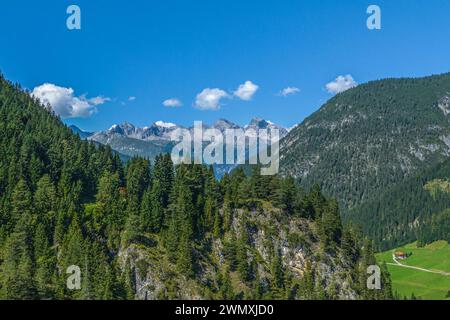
[{"x": 223, "y": 124}]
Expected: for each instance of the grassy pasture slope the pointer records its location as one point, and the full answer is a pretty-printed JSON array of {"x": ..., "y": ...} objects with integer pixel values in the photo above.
[{"x": 431, "y": 286}]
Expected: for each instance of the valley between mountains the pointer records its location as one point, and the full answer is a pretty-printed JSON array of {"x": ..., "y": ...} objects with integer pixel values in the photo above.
[{"x": 363, "y": 146}]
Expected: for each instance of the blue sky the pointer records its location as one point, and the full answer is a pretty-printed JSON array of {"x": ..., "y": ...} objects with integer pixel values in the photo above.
[{"x": 158, "y": 50}]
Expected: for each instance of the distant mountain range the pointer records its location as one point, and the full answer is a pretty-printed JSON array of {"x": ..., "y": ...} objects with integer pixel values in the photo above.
[{"x": 149, "y": 141}]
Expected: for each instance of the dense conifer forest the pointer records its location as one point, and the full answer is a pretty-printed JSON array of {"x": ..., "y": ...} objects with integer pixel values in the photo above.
[
  {"x": 414, "y": 210},
  {"x": 374, "y": 148}
]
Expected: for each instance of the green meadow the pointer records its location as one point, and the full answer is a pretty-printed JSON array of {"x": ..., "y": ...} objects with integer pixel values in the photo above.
[{"x": 425, "y": 285}]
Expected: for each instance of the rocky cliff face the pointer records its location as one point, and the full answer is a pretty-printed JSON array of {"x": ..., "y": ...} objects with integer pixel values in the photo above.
[
  {"x": 268, "y": 229},
  {"x": 154, "y": 277}
]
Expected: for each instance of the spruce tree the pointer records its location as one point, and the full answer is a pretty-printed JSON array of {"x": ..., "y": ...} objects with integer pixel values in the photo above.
[
  {"x": 45, "y": 258},
  {"x": 146, "y": 222},
  {"x": 217, "y": 225},
  {"x": 226, "y": 291},
  {"x": 21, "y": 201},
  {"x": 277, "y": 271},
  {"x": 17, "y": 269},
  {"x": 158, "y": 203},
  {"x": 184, "y": 212},
  {"x": 45, "y": 197},
  {"x": 243, "y": 266},
  {"x": 227, "y": 212}
]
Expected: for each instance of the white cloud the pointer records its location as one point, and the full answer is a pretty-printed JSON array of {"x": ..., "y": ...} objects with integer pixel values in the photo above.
[
  {"x": 289, "y": 91},
  {"x": 98, "y": 100},
  {"x": 132, "y": 98},
  {"x": 172, "y": 103},
  {"x": 341, "y": 84},
  {"x": 64, "y": 103},
  {"x": 246, "y": 91},
  {"x": 209, "y": 99}
]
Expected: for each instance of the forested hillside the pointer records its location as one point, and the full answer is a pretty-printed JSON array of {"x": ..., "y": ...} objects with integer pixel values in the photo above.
[
  {"x": 371, "y": 137},
  {"x": 152, "y": 231},
  {"x": 416, "y": 209},
  {"x": 374, "y": 147},
  {"x": 47, "y": 175}
]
